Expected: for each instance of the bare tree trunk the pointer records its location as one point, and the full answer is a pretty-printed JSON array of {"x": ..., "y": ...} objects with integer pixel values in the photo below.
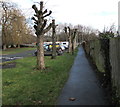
[
  {"x": 53, "y": 47},
  {"x": 74, "y": 40},
  {"x": 18, "y": 45},
  {"x": 68, "y": 33},
  {"x": 4, "y": 38},
  {"x": 4, "y": 47},
  {"x": 69, "y": 45},
  {"x": 72, "y": 47},
  {"x": 70, "y": 40},
  {"x": 53, "y": 41},
  {"x": 40, "y": 53}
]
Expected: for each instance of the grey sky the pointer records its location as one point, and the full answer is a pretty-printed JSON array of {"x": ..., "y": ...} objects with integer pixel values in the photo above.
[{"x": 95, "y": 13}]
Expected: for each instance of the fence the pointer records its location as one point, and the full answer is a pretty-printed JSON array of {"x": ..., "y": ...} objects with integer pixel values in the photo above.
[
  {"x": 115, "y": 62},
  {"x": 110, "y": 60},
  {"x": 93, "y": 48}
]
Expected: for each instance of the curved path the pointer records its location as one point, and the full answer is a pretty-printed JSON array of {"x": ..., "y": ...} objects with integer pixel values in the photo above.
[{"x": 82, "y": 86}]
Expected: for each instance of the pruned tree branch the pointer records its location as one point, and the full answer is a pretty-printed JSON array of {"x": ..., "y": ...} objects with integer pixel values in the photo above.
[
  {"x": 44, "y": 24},
  {"x": 36, "y": 15},
  {"x": 65, "y": 29},
  {"x": 33, "y": 18},
  {"x": 41, "y": 6},
  {"x": 36, "y": 23},
  {"x": 48, "y": 14},
  {"x": 45, "y": 11},
  {"x": 35, "y": 27},
  {"x": 35, "y": 8},
  {"x": 69, "y": 28},
  {"x": 48, "y": 28}
]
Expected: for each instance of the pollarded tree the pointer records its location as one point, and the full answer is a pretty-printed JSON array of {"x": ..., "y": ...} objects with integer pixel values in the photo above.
[
  {"x": 74, "y": 35},
  {"x": 41, "y": 29},
  {"x": 53, "y": 39},
  {"x": 69, "y": 36}
]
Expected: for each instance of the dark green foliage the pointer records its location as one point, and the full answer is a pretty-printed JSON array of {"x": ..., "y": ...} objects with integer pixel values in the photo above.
[{"x": 106, "y": 35}]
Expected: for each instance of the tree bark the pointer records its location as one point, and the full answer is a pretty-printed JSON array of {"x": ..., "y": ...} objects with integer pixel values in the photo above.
[
  {"x": 69, "y": 45},
  {"x": 69, "y": 40},
  {"x": 40, "y": 53},
  {"x": 18, "y": 45},
  {"x": 72, "y": 48},
  {"x": 74, "y": 40},
  {"x": 53, "y": 47},
  {"x": 53, "y": 41},
  {"x": 4, "y": 47}
]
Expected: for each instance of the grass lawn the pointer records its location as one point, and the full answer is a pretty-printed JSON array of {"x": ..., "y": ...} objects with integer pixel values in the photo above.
[
  {"x": 24, "y": 85},
  {"x": 16, "y": 50}
]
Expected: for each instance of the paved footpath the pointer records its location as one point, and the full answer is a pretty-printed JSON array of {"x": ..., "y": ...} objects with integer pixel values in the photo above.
[{"x": 82, "y": 85}]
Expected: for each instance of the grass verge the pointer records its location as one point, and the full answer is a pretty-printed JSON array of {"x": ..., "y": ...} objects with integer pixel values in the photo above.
[
  {"x": 16, "y": 50},
  {"x": 24, "y": 85}
]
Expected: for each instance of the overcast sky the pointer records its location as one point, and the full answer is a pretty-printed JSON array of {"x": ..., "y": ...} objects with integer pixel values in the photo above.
[{"x": 95, "y": 13}]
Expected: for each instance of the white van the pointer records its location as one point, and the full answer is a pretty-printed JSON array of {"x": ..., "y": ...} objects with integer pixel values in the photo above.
[{"x": 65, "y": 44}]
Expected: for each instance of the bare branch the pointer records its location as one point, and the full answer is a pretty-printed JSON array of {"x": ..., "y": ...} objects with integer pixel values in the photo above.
[
  {"x": 45, "y": 11},
  {"x": 41, "y": 6},
  {"x": 36, "y": 22},
  {"x": 35, "y": 15},
  {"x": 47, "y": 14},
  {"x": 65, "y": 29},
  {"x": 35, "y": 27},
  {"x": 69, "y": 28},
  {"x": 48, "y": 28},
  {"x": 35, "y": 8},
  {"x": 44, "y": 24},
  {"x": 33, "y": 18}
]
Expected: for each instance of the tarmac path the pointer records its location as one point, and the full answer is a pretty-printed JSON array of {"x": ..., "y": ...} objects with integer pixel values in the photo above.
[{"x": 82, "y": 87}]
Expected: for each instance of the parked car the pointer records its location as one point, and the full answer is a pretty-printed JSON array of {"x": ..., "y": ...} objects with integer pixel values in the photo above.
[
  {"x": 48, "y": 50},
  {"x": 62, "y": 47},
  {"x": 65, "y": 44}
]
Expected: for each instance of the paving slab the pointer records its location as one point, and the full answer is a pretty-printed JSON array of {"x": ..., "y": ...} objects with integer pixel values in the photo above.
[{"x": 82, "y": 87}]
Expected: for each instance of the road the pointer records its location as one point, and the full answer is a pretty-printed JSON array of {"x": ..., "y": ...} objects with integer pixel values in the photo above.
[{"x": 4, "y": 58}]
